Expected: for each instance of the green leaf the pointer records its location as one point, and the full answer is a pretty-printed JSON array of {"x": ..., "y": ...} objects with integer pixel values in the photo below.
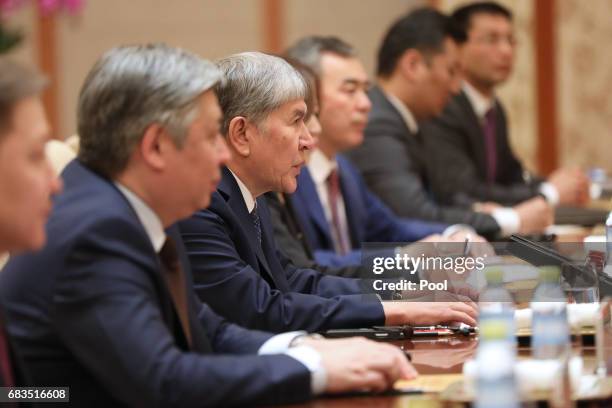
[{"x": 9, "y": 39}]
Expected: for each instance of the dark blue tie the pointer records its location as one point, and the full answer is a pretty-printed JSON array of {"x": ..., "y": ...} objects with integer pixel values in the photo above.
[{"x": 256, "y": 223}]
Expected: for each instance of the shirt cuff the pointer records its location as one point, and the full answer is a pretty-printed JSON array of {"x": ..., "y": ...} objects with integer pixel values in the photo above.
[
  {"x": 508, "y": 220},
  {"x": 280, "y": 343},
  {"x": 457, "y": 227},
  {"x": 550, "y": 192},
  {"x": 312, "y": 360}
]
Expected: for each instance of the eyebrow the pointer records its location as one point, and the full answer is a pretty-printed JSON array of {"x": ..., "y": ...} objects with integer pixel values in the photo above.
[
  {"x": 356, "y": 82},
  {"x": 298, "y": 113}
]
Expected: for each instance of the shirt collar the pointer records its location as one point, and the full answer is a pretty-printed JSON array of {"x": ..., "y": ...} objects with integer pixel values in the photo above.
[
  {"x": 480, "y": 103},
  {"x": 248, "y": 198},
  {"x": 149, "y": 220},
  {"x": 403, "y": 110},
  {"x": 320, "y": 166}
]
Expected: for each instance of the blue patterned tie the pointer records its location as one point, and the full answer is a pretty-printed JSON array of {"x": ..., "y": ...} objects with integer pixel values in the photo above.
[{"x": 256, "y": 223}]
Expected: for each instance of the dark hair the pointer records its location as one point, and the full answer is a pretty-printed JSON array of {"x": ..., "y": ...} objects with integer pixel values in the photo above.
[
  {"x": 308, "y": 50},
  {"x": 423, "y": 29},
  {"x": 462, "y": 16},
  {"x": 312, "y": 83},
  {"x": 16, "y": 83}
]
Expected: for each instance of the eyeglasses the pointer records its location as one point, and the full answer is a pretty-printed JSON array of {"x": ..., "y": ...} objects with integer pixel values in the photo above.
[{"x": 494, "y": 40}]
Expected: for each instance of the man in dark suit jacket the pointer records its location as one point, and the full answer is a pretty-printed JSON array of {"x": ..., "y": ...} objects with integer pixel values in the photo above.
[
  {"x": 107, "y": 308},
  {"x": 368, "y": 219},
  {"x": 26, "y": 185},
  {"x": 470, "y": 139},
  {"x": 231, "y": 244},
  {"x": 416, "y": 74}
]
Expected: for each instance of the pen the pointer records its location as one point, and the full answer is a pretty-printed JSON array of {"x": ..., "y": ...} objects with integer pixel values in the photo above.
[{"x": 466, "y": 248}]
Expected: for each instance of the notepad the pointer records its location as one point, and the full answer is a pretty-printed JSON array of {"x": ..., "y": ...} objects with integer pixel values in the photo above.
[{"x": 428, "y": 383}]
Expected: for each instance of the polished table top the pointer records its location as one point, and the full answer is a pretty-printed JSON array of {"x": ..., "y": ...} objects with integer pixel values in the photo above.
[{"x": 436, "y": 356}]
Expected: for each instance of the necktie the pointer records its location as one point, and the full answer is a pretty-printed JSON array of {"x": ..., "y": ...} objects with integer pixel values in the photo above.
[
  {"x": 175, "y": 278},
  {"x": 256, "y": 223},
  {"x": 488, "y": 129},
  {"x": 6, "y": 371},
  {"x": 339, "y": 234}
]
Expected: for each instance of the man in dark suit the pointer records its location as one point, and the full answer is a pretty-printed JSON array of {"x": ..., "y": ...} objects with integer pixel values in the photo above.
[
  {"x": 107, "y": 307},
  {"x": 416, "y": 74},
  {"x": 336, "y": 209},
  {"x": 470, "y": 139},
  {"x": 231, "y": 245},
  {"x": 27, "y": 183}
]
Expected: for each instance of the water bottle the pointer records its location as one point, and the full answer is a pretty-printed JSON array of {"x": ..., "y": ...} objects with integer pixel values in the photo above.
[
  {"x": 550, "y": 337},
  {"x": 495, "y": 358},
  {"x": 496, "y": 303}
]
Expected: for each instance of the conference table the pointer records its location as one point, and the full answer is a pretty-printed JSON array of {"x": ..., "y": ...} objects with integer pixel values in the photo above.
[
  {"x": 443, "y": 358},
  {"x": 438, "y": 358}
]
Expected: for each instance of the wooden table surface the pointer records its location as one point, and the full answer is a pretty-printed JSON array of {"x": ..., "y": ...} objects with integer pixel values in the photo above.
[{"x": 440, "y": 356}]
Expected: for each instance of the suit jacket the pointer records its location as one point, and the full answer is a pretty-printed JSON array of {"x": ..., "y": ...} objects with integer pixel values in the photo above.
[
  {"x": 289, "y": 236},
  {"x": 92, "y": 311},
  {"x": 257, "y": 286},
  {"x": 368, "y": 219},
  {"x": 395, "y": 166},
  {"x": 455, "y": 141}
]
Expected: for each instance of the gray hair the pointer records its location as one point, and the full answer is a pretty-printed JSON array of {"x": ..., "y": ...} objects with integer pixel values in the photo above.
[
  {"x": 255, "y": 85},
  {"x": 308, "y": 50},
  {"x": 131, "y": 87}
]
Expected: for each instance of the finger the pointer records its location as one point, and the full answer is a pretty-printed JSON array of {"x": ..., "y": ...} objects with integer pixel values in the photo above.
[
  {"x": 461, "y": 317},
  {"x": 406, "y": 370},
  {"x": 470, "y": 309},
  {"x": 372, "y": 381}
]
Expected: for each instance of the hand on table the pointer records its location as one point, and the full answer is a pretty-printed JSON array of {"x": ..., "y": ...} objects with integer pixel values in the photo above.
[{"x": 358, "y": 364}]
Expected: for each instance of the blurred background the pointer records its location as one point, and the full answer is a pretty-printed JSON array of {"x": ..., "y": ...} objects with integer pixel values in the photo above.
[{"x": 558, "y": 98}]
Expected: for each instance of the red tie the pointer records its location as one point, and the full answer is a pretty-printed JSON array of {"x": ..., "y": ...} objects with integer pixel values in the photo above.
[
  {"x": 339, "y": 234},
  {"x": 488, "y": 129}
]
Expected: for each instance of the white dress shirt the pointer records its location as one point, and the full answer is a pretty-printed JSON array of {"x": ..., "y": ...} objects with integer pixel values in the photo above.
[
  {"x": 279, "y": 344},
  {"x": 481, "y": 105},
  {"x": 320, "y": 168}
]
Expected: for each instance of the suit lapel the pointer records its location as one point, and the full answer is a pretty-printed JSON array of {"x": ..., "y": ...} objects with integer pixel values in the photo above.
[
  {"x": 231, "y": 191},
  {"x": 309, "y": 196}
]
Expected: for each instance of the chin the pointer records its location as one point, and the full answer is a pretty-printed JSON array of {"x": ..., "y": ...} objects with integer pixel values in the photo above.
[
  {"x": 35, "y": 241},
  {"x": 289, "y": 187}
]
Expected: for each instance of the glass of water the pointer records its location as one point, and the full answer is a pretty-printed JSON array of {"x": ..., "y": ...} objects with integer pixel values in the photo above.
[{"x": 580, "y": 283}]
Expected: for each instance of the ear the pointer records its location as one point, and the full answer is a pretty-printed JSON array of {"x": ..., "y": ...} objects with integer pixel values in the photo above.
[
  {"x": 410, "y": 63},
  {"x": 153, "y": 145},
  {"x": 239, "y": 135}
]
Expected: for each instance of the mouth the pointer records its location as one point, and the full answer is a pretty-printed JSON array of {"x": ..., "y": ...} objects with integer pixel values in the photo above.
[{"x": 360, "y": 125}]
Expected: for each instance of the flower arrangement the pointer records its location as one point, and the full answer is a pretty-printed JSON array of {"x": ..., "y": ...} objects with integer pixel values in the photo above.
[{"x": 9, "y": 38}]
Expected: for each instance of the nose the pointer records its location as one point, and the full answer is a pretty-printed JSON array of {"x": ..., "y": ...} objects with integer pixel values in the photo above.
[
  {"x": 363, "y": 103},
  {"x": 315, "y": 129},
  {"x": 506, "y": 48},
  {"x": 306, "y": 141}
]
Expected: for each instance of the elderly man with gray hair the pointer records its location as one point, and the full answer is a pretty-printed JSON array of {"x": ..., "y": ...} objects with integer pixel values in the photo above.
[
  {"x": 107, "y": 307},
  {"x": 236, "y": 266}
]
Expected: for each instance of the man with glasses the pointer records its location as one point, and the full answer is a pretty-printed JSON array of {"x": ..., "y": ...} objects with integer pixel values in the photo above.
[{"x": 471, "y": 137}]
